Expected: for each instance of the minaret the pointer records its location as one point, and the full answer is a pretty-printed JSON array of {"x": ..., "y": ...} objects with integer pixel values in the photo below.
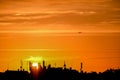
[
  {"x": 21, "y": 67},
  {"x": 81, "y": 67},
  {"x": 64, "y": 65}
]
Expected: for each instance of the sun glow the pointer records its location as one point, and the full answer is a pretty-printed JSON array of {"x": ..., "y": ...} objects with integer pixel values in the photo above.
[
  {"x": 35, "y": 65},
  {"x": 34, "y": 59}
]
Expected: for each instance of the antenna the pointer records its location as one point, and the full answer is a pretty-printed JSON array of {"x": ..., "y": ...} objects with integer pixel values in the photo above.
[
  {"x": 55, "y": 64},
  {"x": 21, "y": 67},
  {"x": 7, "y": 66}
]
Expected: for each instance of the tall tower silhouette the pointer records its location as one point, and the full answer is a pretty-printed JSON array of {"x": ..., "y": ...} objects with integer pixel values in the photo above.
[
  {"x": 64, "y": 65},
  {"x": 44, "y": 67},
  {"x": 81, "y": 67},
  {"x": 21, "y": 67},
  {"x": 43, "y": 63}
]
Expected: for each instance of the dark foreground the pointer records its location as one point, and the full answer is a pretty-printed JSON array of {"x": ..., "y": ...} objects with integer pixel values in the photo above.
[{"x": 60, "y": 74}]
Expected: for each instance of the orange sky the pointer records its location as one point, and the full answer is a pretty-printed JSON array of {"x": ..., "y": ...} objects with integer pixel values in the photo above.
[{"x": 50, "y": 29}]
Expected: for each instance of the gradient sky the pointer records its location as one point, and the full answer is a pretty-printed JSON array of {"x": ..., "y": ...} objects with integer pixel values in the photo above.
[{"x": 50, "y": 29}]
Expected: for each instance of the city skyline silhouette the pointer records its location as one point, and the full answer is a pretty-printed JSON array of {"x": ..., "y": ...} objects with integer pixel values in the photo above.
[
  {"x": 42, "y": 72},
  {"x": 74, "y": 37}
]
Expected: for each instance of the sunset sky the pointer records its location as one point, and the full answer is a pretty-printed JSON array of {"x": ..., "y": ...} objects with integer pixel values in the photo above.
[{"x": 73, "y": 31}]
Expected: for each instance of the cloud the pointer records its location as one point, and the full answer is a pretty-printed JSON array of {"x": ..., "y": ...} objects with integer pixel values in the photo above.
[
  {"x": 29, "y": 50},
  {"x": 71, "y": 17},
  {"x": 35, "y": 5},
  {"x": 63, "y": 12},
  {"x": 115, "y": 3}
]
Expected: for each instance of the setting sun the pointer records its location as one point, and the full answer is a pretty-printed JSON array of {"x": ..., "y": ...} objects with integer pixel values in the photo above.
[{"x": 35, "y": 65}]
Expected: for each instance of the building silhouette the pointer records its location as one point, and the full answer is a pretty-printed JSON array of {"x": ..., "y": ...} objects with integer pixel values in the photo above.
[{"x": 42, "y": 72}]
